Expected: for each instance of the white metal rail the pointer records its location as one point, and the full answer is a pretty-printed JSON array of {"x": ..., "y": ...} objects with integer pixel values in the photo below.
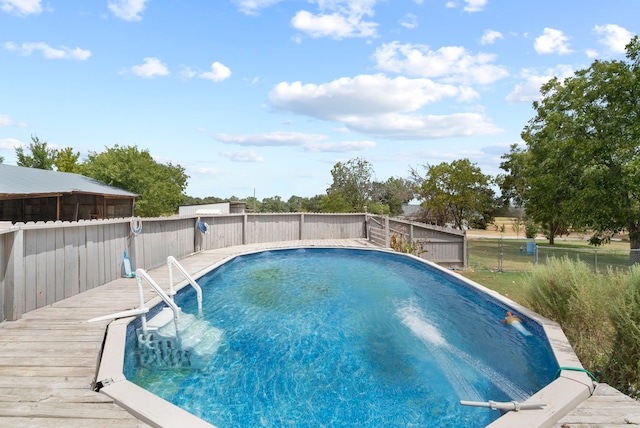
[{"x": 171, "y": 261}]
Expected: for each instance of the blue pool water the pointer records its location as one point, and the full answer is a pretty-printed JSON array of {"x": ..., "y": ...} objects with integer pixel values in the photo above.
[{"x": 343, "y": 338}]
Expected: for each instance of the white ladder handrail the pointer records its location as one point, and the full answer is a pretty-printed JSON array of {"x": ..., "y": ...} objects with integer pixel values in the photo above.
[
  {"x": 171, "y": 261},
  {"x": 142, "y": 274},
  {"x": 142, "y": 310}
]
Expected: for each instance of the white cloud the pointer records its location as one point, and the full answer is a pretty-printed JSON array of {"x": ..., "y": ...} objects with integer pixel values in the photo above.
[
  {"x": 364, "y": 95},
  {"x": 614, "y": 37},
  {"x": 552, "y": 41},
  {"x": 251, "y": 7},
  {"x": 21, "y": 7},
  {"x": 188, "y": 73},
  {"x": 469, "y": 5},
  {"x": 337, "y": 19},
  {"x": 410, "y": 21},
  {"x": 591, "y": 53},
  {"x": 341, "y": 146},
  {"x": 451, "y": 63},
  {"x": 474, "y": 5},
  {"x": 332, "y": 25},
  {"x": 309, "y": 142},
  {"x": 530, "y": 90},
  {"x": 10, "y": 144},
  {"x": 152, "y": 67},
  {"x": 243, "y": 156},
  {"x": 218, "y": 73},
  {"x": 49, "y": 53},
  {"x": 378, "y": 105},
  {"x": 129, "y": 10},
  {"x": 420, "y": 127},
  {"x": 490, "y": 36}
]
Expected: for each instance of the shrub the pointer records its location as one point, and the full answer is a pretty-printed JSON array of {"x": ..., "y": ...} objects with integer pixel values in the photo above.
[
  {"x": 402, "y": 244},
  {"x": 531, "y": 230},
  {"x": 623, "y": 369},
  {"x": 582, "y": 302}
]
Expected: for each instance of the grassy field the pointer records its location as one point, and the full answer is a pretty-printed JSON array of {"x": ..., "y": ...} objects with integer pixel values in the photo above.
[
  {"x": 503, "y": 264},
  {"x": 509, "y": 284}
]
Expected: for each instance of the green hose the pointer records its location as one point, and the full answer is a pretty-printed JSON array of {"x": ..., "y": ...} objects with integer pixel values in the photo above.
[{"x": 576, "y": 369}]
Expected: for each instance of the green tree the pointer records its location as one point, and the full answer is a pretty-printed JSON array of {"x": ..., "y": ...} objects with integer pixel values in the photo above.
[
  {"x": 253, "y": 205},
  {"x": 67, "y": 161},
  {"x": 160, "y": 186},
  {"x": 274, "y": 205},
  {"x": 41, "y": 157},
  {"x": 587, "y": 128},
  {"x": 352, "y": 186},
  {"x": 393, "y": 194},
  {"x": 542, "y": 179},
  {"x": 336, "y": 202},
  {"x": 457, "y": 192},
  {"x": 312, "y": 204},
  {"x": 295, "y": 203}
]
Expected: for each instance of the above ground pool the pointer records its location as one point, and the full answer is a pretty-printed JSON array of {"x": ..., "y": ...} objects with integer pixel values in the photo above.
[{"x": 343, "y": 338}]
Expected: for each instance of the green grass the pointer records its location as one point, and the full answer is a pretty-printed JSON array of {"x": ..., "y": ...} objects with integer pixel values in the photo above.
[
  {"x": 484, "y": 261},
  {"x": 511, "y": 255},
  {"x": 509, "y": 284}
]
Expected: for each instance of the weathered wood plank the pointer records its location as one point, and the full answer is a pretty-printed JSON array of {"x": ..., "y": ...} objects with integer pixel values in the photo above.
[
  {"x": 63, "y": 410},
  {"x": 44, "y": 394},
  {"x": 13, "y": 422}
]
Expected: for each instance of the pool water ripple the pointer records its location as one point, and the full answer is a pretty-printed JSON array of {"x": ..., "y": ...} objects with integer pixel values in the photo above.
[{"x": 343, "y": 338}]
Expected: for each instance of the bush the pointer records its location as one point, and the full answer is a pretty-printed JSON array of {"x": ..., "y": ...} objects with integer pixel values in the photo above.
[
  {"x": 583, "y": 303},
  {"x": 531, "y": 230},
  {"x": 623, "y": 369}
]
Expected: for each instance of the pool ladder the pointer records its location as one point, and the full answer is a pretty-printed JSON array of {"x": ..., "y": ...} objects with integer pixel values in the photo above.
[{"x": 142, "y": 310}]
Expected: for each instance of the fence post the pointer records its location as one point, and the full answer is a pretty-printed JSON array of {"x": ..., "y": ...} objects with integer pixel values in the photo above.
[
  {"x": 14, "y": 279},
  {"x": 595, "y": 253},
  {"x": 244, "y": 229},
  {"x": 387, "y": 240},
  {"x": 301, "y": 235},
  {"x": 535, "y": 255}
]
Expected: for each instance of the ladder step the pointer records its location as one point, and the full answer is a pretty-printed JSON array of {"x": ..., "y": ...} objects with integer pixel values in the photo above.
[{"x": 160, "y": 320}]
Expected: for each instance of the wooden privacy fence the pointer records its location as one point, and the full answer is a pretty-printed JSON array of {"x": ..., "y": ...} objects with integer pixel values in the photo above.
[
  {"x": 42, "y": 263},
  {"x": 441, "y": 245}
]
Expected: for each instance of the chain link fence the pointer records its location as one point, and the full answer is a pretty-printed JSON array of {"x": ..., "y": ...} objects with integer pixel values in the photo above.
[{"x": 511, "y": 255}]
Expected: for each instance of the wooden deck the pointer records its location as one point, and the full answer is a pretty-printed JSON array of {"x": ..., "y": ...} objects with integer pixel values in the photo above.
[{"x": 48, "y": 359}]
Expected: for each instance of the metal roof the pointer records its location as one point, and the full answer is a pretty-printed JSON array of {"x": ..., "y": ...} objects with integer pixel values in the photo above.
[{"x": 17, "y": 180}]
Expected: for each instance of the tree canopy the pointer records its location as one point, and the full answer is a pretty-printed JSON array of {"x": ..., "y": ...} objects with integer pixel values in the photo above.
[
  {"x": 351, "y": 187},
  {"x": 457, "y": 193},
  {"x": 581, "y": 164},
  {"x": 160, "y": 186},
  {"x": 42, "y": 156}
]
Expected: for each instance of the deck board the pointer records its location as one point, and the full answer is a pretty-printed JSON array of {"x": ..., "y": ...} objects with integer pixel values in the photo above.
[{"x": 48, "y": 359}]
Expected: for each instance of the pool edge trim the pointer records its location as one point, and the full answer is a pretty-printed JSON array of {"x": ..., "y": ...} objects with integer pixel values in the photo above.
[{"x": 562, "y": 395}]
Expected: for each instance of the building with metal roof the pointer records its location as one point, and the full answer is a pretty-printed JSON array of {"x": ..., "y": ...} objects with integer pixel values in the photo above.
[{"x": 30, "y": 194}]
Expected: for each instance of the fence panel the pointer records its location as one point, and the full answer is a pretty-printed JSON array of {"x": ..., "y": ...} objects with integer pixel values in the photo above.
[
  {"x": 333, "y": 226},
  {"x": 42, "y": 263}
]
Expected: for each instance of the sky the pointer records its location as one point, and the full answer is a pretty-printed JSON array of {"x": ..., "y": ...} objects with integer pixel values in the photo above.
[{"x": 264, "y": 97}]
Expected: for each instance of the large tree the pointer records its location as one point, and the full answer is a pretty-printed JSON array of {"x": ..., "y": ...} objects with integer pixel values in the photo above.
[
  {"x": 588, "y": 126},
  {"x": 351, "y": 187},
  {"x": 160, "y": 186},
  {"x": 41, "y": 155},
  {"x": 457, "y": 192},
  {"x": 393, "y": 193},
  {"x": 66, "y": 160}
]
